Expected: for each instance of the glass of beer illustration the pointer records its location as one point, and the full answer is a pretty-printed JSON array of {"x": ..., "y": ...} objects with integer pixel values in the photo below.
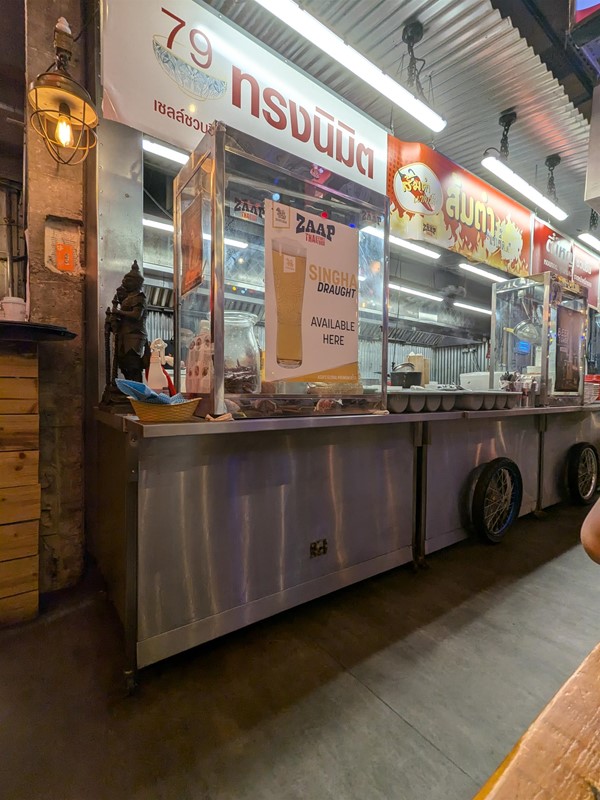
[{"x": 289, "y": 273}]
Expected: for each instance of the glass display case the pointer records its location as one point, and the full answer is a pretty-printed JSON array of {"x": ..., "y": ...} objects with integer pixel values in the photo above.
[
  {"x": 538, "y": 339},
  {"x": 593, "y": 345},
  {"x": 280, "y": 282}
]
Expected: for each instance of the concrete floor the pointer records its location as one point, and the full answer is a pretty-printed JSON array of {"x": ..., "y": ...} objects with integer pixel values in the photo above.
[{"x": 406, "y": 687}]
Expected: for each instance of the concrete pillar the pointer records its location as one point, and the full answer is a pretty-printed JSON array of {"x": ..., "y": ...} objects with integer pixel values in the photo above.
[{"x": 55, "y": 201}]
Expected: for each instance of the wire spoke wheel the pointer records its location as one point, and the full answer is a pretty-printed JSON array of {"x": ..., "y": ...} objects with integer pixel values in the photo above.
[
  {"x": 582, "y": 473},
  {"x": 587, "y": 473},
  {"x": 497, "y": 499}
]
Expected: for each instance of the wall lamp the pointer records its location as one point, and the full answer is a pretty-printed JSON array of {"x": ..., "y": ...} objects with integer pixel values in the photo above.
[
  {"x": 63, "y": 113},
  {"x": 498, "y": 164}
]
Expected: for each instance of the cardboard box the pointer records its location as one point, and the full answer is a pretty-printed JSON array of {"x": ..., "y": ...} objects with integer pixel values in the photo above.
[{"x": 421, "y": 364}]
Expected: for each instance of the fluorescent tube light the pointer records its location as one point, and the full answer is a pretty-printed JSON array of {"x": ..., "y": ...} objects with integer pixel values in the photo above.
[
  {"x": 160, "y": 226},
  {"x": 414, "y": 248},
  {"x": 591, "y": 240},
  {"x": 229, "y": 242},
  {"x": 373, "y": 231},
  {"x": 164, "y": 152},
  {"x": 157, "y": 268},
  {"x": 482, "y": 273},
  {"x": 506, "y": 174},
  {"x": 166, "y": 226},
  {"x": 416, "y": 293},
  {"x": 332, "y": 45},
  {"x": 476, "y": 309}
]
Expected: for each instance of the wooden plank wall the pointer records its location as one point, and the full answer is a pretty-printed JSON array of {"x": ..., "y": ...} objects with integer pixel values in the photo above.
[{"x": 19, "y": 482}]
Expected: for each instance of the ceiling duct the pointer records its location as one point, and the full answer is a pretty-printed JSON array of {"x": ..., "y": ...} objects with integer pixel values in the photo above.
[{"x": 158, "y": 296}]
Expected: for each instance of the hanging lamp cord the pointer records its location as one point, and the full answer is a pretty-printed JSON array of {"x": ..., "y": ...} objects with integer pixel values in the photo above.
[
  {"x": 504, "y": 139},
  {"x": 551, "y": 185}
]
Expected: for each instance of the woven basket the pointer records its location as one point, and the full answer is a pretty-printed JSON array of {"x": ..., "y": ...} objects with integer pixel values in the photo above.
[{"x": 151, "y": 412}]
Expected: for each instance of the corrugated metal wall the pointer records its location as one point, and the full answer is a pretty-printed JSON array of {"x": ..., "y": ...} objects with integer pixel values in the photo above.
[
  {"x": 449, "y": 362},
  {"x": 399, "y": 353}
]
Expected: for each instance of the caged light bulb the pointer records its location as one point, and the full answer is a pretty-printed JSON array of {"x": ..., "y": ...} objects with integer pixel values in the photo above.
[{"x": 64, "y": 131}]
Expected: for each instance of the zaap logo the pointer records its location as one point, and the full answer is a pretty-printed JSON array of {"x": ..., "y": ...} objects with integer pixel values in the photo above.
[{"x": 316, "y": 234}]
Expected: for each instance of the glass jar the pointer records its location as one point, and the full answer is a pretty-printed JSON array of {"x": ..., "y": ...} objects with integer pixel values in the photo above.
[{"x": 241, "y": 354}]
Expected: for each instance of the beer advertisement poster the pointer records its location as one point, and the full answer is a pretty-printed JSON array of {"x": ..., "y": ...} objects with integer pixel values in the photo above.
[
  {"x": 311, "y": 297},
  {"x": 192, "y": 269},
  {"x": 570, "y": 326}
]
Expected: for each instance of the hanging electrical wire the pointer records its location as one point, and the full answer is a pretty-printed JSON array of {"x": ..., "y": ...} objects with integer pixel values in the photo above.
[{"x": 411, "y": 36}]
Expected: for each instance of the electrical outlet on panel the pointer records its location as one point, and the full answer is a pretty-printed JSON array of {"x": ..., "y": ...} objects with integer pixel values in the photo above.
[{"x": 318, "y": 548}]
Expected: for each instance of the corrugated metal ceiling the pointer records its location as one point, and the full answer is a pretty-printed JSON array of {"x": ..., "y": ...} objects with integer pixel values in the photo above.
[{"x": 479, "y": 66}]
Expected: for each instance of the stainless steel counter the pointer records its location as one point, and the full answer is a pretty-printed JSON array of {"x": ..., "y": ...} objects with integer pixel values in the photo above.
[
  {"x": 200, "y": 536},
  {"x": 202, "y": 428}
]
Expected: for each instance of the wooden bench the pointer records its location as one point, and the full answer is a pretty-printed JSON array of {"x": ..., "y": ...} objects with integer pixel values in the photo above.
[{"x": 558, "y": 758}]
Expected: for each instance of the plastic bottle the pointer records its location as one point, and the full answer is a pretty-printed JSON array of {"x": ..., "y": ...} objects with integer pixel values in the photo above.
[
  {"x": 156, "y": 377},
  {"x": 199, "y": 366},
  {"x": 532, "y": 395},
  {"x": 206, "y": 358}
]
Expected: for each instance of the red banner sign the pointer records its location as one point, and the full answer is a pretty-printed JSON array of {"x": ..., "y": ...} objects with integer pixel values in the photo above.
[
  {"x": 552, "y": 252},
  {"x": 586, "y": 272},
  {"x": 434, "y": 200},
  {"x": 582, "y": 9}
]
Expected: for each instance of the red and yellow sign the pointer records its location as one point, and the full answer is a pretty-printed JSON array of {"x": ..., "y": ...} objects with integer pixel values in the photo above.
[
  {"x": 434, "y": 200},
  {"x": 552, "y": 252}
]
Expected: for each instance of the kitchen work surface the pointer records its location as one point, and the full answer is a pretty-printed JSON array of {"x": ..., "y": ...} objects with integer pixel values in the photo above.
[{"x": 404, "y": 687}]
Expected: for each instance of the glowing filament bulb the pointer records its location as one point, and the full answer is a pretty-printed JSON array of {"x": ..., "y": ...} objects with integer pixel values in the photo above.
[{"x": 64, "y": 131}]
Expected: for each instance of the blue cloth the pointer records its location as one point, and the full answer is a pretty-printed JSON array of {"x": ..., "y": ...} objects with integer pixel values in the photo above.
[{"x": 143, "y": 393}]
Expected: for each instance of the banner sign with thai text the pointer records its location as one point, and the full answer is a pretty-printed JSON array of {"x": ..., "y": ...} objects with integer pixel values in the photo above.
[
  {"x": 586, "y": 272},
  {"x": 552, "y": 252},
  {"x": 434, "y": 200},
  {"x": 582, "y": 9},
  {"x": 311, "y": 297},
  {"x": 172, "y": 67}
]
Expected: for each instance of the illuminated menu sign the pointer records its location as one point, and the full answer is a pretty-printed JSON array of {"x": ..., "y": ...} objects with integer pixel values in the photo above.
[{"x": 436, "y": 201}]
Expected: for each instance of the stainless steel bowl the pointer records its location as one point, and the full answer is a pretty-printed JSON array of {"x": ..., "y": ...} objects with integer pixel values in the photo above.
[
  {"x": 501, "y": 398},
  {"x": 432, "y": 401},
  {"x": 447, "y": 402},
  {"x": 416, "y": 402},
  {"x": 471, "y": 401},
  {"x": 397, "y": 402}
]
